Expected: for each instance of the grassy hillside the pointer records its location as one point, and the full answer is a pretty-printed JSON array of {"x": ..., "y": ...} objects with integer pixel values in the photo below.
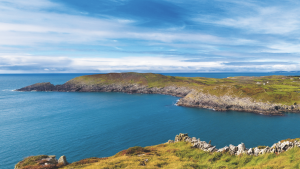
[
  {"x": 178, "y": 155},
  {"x": 272, "y": 89}
]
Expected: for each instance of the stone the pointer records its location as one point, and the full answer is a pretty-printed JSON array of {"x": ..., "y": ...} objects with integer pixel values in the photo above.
[
  {"x": 181, "y": 137},
  {"x": 256, "y": 151},
  {"x": 170, "y": 141},
  {"x": 272, "y": 150},
  {"x": 206, "y": 145},
  {"x": 194, "y": 139},
  {"x": 250, "y": 151},
  {"x": 264, "y": 151},
  {"x": 285, "y": 145},
  {"x": 224, "y": 149},
  {"x": 212, "y": 149},
  {"x": 232, "y": 149},
  {"x": 241, "y": 147},
  {"x": 52, "y": 156},
  {"x": 63, "y": 160}
]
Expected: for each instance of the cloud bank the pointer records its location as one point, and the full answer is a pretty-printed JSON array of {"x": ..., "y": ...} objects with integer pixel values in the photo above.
[{"x": 43, "y": 36}]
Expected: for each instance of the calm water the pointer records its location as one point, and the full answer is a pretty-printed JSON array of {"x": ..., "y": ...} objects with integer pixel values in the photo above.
[{"x": 82, "y": 125}]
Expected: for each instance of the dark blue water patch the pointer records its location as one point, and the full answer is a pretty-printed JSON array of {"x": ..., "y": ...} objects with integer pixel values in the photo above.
[{"x": 82, "y": 125}]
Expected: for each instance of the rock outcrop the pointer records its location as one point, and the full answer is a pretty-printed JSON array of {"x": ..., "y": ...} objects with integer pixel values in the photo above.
[
  {"x": 224, "y": 103},
  {"x": 44, "y": 161},
  {"x": 62, "y": 160},
  {"x": 237, "y": 150}
]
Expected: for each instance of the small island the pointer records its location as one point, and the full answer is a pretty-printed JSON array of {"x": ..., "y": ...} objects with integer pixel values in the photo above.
[{"x": 267, "y": 95}]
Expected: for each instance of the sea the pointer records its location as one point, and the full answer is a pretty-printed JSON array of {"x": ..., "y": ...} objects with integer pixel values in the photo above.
[{"x": 84, "y": 125}]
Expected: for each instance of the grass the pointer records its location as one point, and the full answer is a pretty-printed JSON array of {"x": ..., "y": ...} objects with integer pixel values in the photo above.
[
  {"x": 33, "y": 162},
  {"x": 181, "y": 156},
  {"x": 272, "y": 89}
]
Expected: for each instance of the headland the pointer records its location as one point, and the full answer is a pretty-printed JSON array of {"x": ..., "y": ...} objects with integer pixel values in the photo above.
[{"x": 267, "y": 95}]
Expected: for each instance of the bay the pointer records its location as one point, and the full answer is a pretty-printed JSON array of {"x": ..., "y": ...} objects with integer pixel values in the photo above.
[{"x": 83, "y": 125}]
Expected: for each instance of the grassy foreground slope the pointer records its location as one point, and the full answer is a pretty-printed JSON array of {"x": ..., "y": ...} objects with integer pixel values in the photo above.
[
  {"x": 182, "y": 155},
  {"x": 269, "y": 89},
  {"x": 179, "y": 155}
]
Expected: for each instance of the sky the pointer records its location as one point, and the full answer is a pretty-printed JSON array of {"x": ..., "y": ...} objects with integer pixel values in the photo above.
[{"x": 100, "y": 36}]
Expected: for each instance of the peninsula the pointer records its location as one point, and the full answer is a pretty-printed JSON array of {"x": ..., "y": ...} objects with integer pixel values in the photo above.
[{"x": 268, "y": 95}]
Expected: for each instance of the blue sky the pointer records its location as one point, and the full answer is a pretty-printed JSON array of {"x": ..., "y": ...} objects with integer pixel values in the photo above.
[{"x": 69, "y": 36}]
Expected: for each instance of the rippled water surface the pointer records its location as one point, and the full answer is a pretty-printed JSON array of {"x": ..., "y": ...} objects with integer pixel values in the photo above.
[{"x": 82, "y": 125}]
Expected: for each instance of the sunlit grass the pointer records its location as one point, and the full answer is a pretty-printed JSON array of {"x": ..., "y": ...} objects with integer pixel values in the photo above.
[{"x": 182, "y": 155}]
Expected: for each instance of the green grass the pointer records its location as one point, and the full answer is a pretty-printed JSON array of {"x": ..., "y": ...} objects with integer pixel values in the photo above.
[
  {"x": 182, "y": 155},
  {"x": 277, "y": 89}
]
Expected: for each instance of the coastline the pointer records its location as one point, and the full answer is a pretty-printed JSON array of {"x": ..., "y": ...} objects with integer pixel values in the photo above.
[{"x": 188, "y": 97}]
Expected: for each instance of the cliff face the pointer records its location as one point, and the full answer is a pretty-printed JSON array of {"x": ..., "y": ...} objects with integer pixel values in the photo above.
[
  {"x": 190, "y": 91},
  {"x": 225, "y": 103},
  {"x": 126, "y": 88}
]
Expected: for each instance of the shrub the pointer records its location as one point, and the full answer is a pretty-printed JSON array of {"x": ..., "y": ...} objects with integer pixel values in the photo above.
[
  {"x": 134, "y": 151},
  {"x": 261, "y": 147}
]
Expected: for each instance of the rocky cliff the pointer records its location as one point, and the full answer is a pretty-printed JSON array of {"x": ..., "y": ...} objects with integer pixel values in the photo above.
[{"x": 190, "y": 90}]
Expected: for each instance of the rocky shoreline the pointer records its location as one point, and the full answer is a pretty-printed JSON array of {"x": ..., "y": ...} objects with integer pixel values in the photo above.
[
  {"x": 189, "y": 97},
  {"x": 237, "y": 150}
]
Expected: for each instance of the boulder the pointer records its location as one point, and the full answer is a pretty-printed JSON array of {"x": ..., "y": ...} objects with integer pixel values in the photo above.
[
  {"x": 224, "y": 149},
  {"x": 264, "y": 151},
  {"x": 194, "y": 139},
  {"x": 250, "y": 151},
  {"x": 170, "y": 141},
  {"x": 232, "y": 149},
  {"x": 256, "y": 151},
  {"x": 63, "y": 160},
  {"x": 196, "y": 145},
  {"x": 189, "y": 140},
  {"x": 212, "y": 149},
  {"x": 272, "y": 150},
  {"x": 206, "y": 145},
  {"x": 181, "y": 137},
  {"x": 241, "y": 149}
]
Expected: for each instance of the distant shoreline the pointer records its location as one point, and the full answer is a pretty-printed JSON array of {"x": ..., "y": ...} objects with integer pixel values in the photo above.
[{"x": 193, "y": 92}]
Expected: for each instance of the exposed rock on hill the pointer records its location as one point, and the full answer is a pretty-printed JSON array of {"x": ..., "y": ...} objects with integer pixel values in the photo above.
[
  {"x": 278, "y": 148},
  {"x": 42, "y": 162}
]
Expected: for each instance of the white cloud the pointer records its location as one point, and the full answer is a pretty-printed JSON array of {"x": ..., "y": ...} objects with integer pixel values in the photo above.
[
  {"x": 262, "y": 19},
  {"x": 19, "y": 26},
  {"x": 42, "y": 64},
  {"x": 270, "y": 20},
  {"x": 30, "y": 24}
]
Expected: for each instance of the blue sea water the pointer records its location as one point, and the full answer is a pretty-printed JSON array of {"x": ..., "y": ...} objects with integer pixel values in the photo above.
[{"x": 83, "y": 125}]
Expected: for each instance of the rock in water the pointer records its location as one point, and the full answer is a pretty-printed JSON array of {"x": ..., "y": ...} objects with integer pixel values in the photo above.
[{"x": 63, "y": 160}]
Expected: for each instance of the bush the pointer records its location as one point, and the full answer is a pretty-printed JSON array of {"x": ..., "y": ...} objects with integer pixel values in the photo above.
[{"x": 134, "y": 151}]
